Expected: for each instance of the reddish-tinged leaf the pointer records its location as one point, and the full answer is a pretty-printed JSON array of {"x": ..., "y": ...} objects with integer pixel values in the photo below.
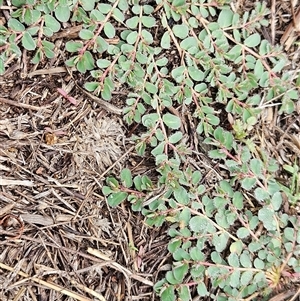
[
  {"x": 71, "y": 99},
  {"x": 62, "y": 92}
]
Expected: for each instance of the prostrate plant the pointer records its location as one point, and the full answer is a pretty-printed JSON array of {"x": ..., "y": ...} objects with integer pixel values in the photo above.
[{"x": 186, "y": 66}]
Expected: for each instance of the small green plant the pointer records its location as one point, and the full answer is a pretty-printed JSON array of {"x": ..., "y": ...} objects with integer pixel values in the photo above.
[{"x": 196, "y": 74}]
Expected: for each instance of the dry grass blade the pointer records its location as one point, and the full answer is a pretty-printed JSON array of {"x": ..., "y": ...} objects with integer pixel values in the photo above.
[
  {"x": 22, "y": 105},
  {"x": 47, "y": 284},
  {"x": 128, "y": 274},
  {"x": 4, "y": 182},
  {"x": 6, "y": 208},
  {"x": 55, "y": 70},
  {"x": 292, "y": 31}
]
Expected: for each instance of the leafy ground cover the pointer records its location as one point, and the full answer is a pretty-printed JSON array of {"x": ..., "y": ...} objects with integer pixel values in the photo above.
[{"x": 150, "y": 149}]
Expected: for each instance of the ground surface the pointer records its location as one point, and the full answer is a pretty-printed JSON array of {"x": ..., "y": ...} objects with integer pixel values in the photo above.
[{"x": 53, "y": 160}]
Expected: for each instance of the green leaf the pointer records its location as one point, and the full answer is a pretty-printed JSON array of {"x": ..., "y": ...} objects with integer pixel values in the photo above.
[
  {"x": 266, "y": 216},
  {"x": 118, "y": 15},
  {"x": 62, "y": 13},
  {"x": 116, "y": 198},
  {"x": 219, "y": 134},
  {"x": 96, "y": 15},
  {"x": 86, "y": 34},
  {"x": 246, "y": 278},
  {"x": 159, "y": 149},
  {"x": 86, "y": 62},
  {"x": 261, "y": 194},
  {"x": 104, "y": 8},
  {"x": 180, "y": 271},
  {"x": 256, "y": 167},
  {"x": 214, "y": 120},
  {"x": 149, "y": 120},
  {"x": 248, "y": 183},
  {"x": 276, "y": 201},
  {"x": 259, "y": 264},
  {"x": 184, "y": 293},
  {"x": 264, "y": 79},
  {"x": 178, "y": 3},
  {"x": 2, "y": 67},
  {"x": 49, "y": 53},
  {"x": 174, "y": 245},
  {"x": 176, "y": 137},
  {"x": 178, "y": 73},
  {"x": 14, "y": 24},
  {"x": 220, "y": 241},
  {"x": 238, "y": 200},
  {"x": 165, "y": 41},
  {"x": 225, "y": 18},
  {"x": 279, "y": 65},
  {"x": 180, "y": 31},
  {"x": 204, "y": 12},
  {"x": 47, "y": 32},
  {"x": 242, "y": 232},
  {"x": 168, "y": 294},
  {"x": 132, "y": 37},
  {"x": 147, "y": 36},
  {"x": 148, "y": 21},
  {"x": 102, "y": 45},
  {"x": 198, "y": 224},
  {"x": 188, "y": 43},
  {"x": 31, "y": 16},
  {"x": 91, "y": 86},
  {"x": 196, "y": 254},
  {"x": 246, "y": 260},
  {"x": 151, "y": 88},
  {"x": 181, "y": 195},
  {"x": 216, "y": 257},
  {"x": 148, "y": 9},
  {"x": 236, "y": 247},
  {"x": 258, "y": 69},
  {"x": 195, "y": 74},
  {"x": 52, "y": 23},
  {"x": 171, "y": 121},
  {"x": 140, "y": 148},
  {"x": 201, "y": 289},
  {"x": 72, "y": 46},
  {"x": 103, "y": 63},
  {"x": 162, "y": 62},
  {"x": 107, "y": 88},
  {"x": 28, "y": 42},
  {"x": 47, "y": 44},
  {"x": 253, "y": 40},
  {"x": 109, "y": 30},
  {"x": 106, "y": 190},
  {"x": 233, "y": 260},
  {"x": 216, "y": 154},
  {"x": 133, "y": 22},
  {"x": 126, "y": 177},
  {"x": 37, "y": 57},
  {"x": 234, "y": 52},
  {"x": 17, "y": 3},
  {"x": 289, "y": 234},
  {"x": 235, "y": 278},
  {"x": 87, "y": 5}
]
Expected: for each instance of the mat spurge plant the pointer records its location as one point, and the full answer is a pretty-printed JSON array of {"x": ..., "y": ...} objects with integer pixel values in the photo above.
[{"x": 195, "y": 78}]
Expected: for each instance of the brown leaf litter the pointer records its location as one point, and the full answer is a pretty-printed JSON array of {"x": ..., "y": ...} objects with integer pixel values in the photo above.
[{"x": 63, "y": 241}]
